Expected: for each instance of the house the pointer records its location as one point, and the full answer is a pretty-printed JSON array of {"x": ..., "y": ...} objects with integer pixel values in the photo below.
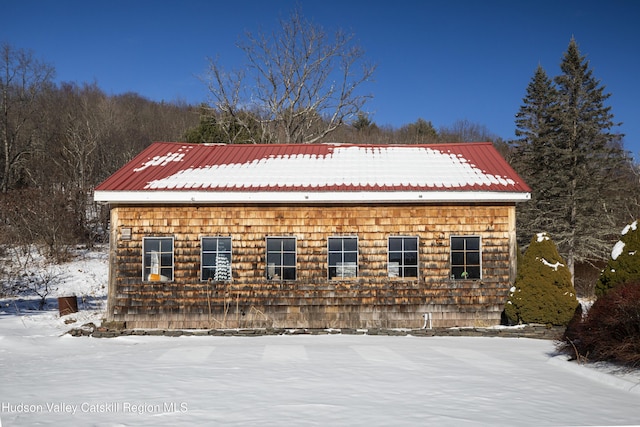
[{"x": 311, "y": 236}]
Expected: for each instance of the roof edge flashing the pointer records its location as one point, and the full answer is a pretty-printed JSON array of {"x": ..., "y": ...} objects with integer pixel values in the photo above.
[{"x": 202, "y": 197}]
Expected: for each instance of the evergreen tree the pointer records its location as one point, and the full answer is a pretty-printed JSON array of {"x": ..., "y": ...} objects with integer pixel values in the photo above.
[
  {"x": 572, "y": 159},
  {"x": 218, "y": 128},
  {"x": 624, "y": 264},
  {"x": 534, "y": 157},
  {"x": 207, "y": 131},
  {"x": 420, "y": 132},
  {"x": 362, "y": 122},
  {"x": 591, "y": 156},
  {"x": 542, "y": 292}
]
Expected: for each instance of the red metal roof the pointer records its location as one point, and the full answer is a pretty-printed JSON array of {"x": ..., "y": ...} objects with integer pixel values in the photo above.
[{"x": 313, "y": 168}]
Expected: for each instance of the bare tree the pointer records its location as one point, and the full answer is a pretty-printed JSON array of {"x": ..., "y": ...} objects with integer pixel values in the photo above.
[
  {"x": 300, "y": 84},
  {"x": 86, "y": 120},
  {"x": 22, "y": 80}
]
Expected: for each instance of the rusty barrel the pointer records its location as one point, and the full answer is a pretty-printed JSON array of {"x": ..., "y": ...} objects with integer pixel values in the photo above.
[{"x": 67, "y": 305}]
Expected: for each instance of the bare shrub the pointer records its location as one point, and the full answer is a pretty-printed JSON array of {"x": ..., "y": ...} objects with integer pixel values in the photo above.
[
  {"x": 610, "y": 331},
  {"x": 39, "y": 217},
  {"x": 26, "y": 271}
]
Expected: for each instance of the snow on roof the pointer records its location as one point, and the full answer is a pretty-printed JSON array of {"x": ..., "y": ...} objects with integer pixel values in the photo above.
[{"x": 173, "y": 172}]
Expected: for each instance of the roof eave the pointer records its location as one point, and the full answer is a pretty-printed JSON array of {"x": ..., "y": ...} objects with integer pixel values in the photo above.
[{"x": 204, "y": 197}]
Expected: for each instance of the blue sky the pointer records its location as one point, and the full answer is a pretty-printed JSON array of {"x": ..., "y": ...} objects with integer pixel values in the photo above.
[{"x": 441, "y": 61}]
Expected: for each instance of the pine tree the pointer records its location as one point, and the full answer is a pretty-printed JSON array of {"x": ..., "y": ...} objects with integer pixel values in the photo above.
[
  {"x": 591, "y": 156},
  {"x": 217, "y": 128},
  {"x": 542, "y": 292},
  {"x": 536, "y": 127},
  {"x": 572, "y": 159},
  {"x": 362, "y": 122}
]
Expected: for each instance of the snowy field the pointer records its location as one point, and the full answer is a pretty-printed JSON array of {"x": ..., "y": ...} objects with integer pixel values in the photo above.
[{"x": 49, "y": 378}]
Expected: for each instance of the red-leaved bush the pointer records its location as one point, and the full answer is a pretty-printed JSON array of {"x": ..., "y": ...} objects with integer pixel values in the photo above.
[{"x": 611, "y": 329}]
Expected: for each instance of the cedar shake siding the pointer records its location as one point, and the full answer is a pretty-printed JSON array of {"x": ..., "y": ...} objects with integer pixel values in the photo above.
[
  {"x": 316, "y": 262},
  {"x": 372, "y": 299}
]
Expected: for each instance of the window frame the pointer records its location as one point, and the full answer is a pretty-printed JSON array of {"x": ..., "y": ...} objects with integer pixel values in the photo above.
[
  {"x": 282, "y": 254},
  {"x": 161, "y": 266},
  {"x": 402, "y": 266},
  {"x": 342, "y": 252},
  {"x": 217, "y": 252},
  {"x": 466, "y": 264}
]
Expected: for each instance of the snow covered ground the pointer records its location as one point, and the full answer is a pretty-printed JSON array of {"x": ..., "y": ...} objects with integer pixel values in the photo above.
[{"x": 49, "y": 378}]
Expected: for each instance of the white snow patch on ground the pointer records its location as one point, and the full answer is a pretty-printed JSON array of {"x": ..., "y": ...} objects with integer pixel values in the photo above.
[{"x": 51, "y": 379}]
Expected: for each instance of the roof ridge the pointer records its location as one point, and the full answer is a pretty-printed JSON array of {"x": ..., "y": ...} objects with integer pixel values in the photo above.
[{"x": 317, "y": 144}]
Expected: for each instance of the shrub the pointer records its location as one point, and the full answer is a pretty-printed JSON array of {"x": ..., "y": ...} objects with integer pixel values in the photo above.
[
  {"x": 542, "y": 292},
  {"x": 38, "y": 217},
  {"x": 611, "y": 329},
  {"x": 624, "y": 264}
]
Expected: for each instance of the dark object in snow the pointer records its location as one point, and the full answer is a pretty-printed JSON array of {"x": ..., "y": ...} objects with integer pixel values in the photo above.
[{"x": 67, "y": 305}]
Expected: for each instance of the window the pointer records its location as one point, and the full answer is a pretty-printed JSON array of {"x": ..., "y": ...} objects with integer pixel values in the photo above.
[
  {"x": 157, "y": 261},
  {"x": 465, "y": 257},
  {"x": 281, "y": 258},
  {"x": 403, "y": 256},
  {"x": 343, "y": 257},
  {"x": 215, "y": 260}
]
